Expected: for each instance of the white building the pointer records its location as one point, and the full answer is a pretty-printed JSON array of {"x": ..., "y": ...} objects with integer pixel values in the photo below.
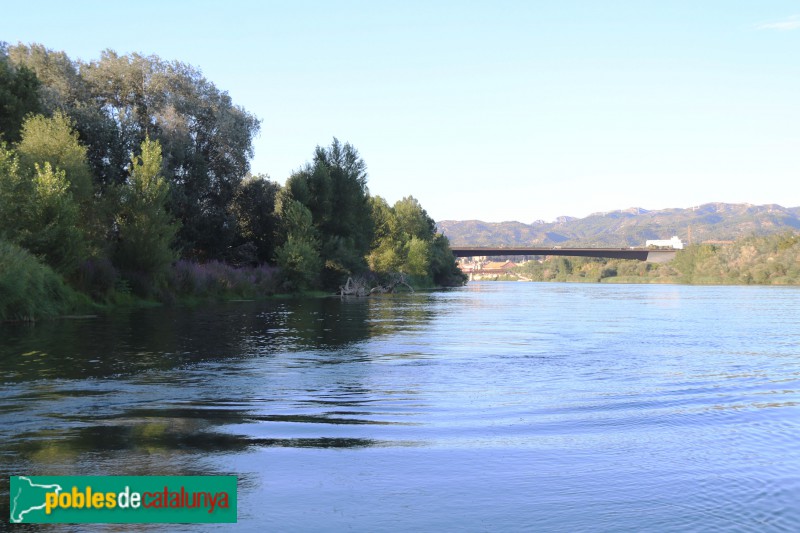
[{"x": 674, "y": 243}]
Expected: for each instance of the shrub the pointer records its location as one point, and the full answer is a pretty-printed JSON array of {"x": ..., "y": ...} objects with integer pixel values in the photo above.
[
  {"x": 219, "y": 280},
  {"x": 95, "y": 277},
  {"x": 30, "y": 290}
]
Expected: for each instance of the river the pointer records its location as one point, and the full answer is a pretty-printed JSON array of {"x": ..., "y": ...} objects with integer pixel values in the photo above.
[{"x": 494, "y": 407}]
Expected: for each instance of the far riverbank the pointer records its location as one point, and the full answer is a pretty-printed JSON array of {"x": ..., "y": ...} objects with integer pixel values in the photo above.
[{"x": 763, "y": 260}]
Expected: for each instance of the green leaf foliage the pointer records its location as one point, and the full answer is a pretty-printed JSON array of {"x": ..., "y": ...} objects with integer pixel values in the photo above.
[
  {"x": 117, "y": 166},
  {"x": 38, "y": 212},
  {"x": 53, "y": 140},
  {"x": 145, "y": 229},
  {"x": 30, "y": 290},
  {"x": 406, "y": 241},
  {"x": 119, "y": 100},
  {"x": 51, "y": 227},
  {"x": 298, "y": 257},
  {"x": 254, "y": 210},
  {"x": 19, "y": 96},
  {"x": 16, "y": 191},
  {"x": 334, "y": 190}
]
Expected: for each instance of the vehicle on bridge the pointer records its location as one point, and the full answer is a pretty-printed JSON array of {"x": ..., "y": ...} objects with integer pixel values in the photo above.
[{"x": 674, "y": 243}]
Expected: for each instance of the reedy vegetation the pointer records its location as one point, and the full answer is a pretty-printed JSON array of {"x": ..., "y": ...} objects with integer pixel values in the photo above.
[{"x": 130, "y": 174}]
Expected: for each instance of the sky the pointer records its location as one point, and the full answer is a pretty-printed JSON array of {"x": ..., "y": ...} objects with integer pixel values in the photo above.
[{"x": 502, "y": 110}]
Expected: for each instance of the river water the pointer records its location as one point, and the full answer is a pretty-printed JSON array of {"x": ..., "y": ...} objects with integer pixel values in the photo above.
[{"x": 494, "y": 407}]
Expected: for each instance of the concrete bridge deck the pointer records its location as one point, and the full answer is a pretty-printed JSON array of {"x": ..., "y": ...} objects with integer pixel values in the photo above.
[{"x": 640, "y": 254}]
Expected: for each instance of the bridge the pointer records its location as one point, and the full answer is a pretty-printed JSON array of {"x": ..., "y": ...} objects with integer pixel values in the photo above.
[{"x": 641, "y": 254}]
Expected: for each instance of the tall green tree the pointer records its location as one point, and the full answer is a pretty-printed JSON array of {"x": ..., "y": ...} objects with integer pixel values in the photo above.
[
  {"x": 413, "y": 220},
  {"x": 19, "y": 96},
  {"x": 60, "y": 76},
  {"x": 207, "y": 140},
  {"x": 146, "y": 230},
  {"x": 119, "y": 100},
  {"x": 253, "y": 207},
  {"x": 387, "y": 254},
  {"x": 65, "y": 89},
  {"x": 39, "y": 213},
  {"x": 443, "y": 265},
  {"x": 54, "y": 140},
  {"x": 334, "y": 189},
  {"x": 406, "y": 241}
]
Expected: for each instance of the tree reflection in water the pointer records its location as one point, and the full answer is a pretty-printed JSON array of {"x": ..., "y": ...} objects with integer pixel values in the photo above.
[{"x": 150, "y": 391}]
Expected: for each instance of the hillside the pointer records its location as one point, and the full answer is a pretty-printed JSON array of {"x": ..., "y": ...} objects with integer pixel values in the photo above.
[{"x": 629, "y": 227}]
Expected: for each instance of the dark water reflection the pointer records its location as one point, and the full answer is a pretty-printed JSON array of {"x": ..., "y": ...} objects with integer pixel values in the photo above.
[
  {"x": 165, "y": 338},
  {"x": 501, "y": 406}
]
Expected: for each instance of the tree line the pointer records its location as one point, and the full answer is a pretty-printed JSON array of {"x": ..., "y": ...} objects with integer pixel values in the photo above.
[
  {"x": 754, "y": 260},
  {"x": 112, "y": 171}
]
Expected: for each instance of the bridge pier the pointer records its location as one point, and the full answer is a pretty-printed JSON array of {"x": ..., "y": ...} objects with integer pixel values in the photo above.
[{"x": 661, "y": 256}]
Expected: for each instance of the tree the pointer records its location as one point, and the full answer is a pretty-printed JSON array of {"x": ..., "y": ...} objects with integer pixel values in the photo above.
[
  {"x": 443, "y": 265},
  {"x": 51, "y": 229},
  {"x": 19, "y": 96},
  {"x": 298, "y": 257},
  {"x": 53, "y": 140},
  {"x": 38, "y": 212},
  {"x": 334, "y": 189},
  {"x": 386, "y": 255},
  {"x": 65, "y": 89},
  {"x": 16, "y": 194},
  {"x": 60, "y": 76},
  {"x": 254, "y": 209},
  {"x": 406, "y": 241},
  {"x": 145, "y": 229},
  {"x": 207, "y": 140},
  {"x": 119, "y": 100},
  {"x": 413, "y": 220},
  {"x": 417, "y": 256},
  {"x": 402, "y": 237}
]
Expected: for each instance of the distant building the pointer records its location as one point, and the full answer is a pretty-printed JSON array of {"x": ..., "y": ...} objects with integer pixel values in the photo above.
[
  {"x": 496, "y": 267},
  {"x": 466, "y": 268},
  {"x": 674, "y": 243},
  {"x": 480, "y": 268}
]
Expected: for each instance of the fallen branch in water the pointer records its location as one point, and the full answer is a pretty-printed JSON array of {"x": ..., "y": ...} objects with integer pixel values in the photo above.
[
  {"x": 355, "y": 287},
  {"x": 359, "y": 286}
]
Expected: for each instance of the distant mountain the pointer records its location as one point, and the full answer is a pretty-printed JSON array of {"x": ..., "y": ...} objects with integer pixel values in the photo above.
[{"x": 629, "y": 227}]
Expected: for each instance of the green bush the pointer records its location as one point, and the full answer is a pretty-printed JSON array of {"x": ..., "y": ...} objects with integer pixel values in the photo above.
[{"x": 30, "y": 290}]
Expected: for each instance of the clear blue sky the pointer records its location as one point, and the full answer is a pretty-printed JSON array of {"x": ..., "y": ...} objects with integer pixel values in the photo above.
[{"x": 489, "y": 110}]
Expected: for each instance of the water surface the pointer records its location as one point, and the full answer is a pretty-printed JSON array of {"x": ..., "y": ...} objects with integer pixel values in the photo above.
[{"x": 499, "y": 406}]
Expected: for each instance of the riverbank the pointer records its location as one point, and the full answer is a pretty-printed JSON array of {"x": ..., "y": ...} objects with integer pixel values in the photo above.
[
  {"x": 763, "y": 260},
  {"x": 30, "y": 290}
]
